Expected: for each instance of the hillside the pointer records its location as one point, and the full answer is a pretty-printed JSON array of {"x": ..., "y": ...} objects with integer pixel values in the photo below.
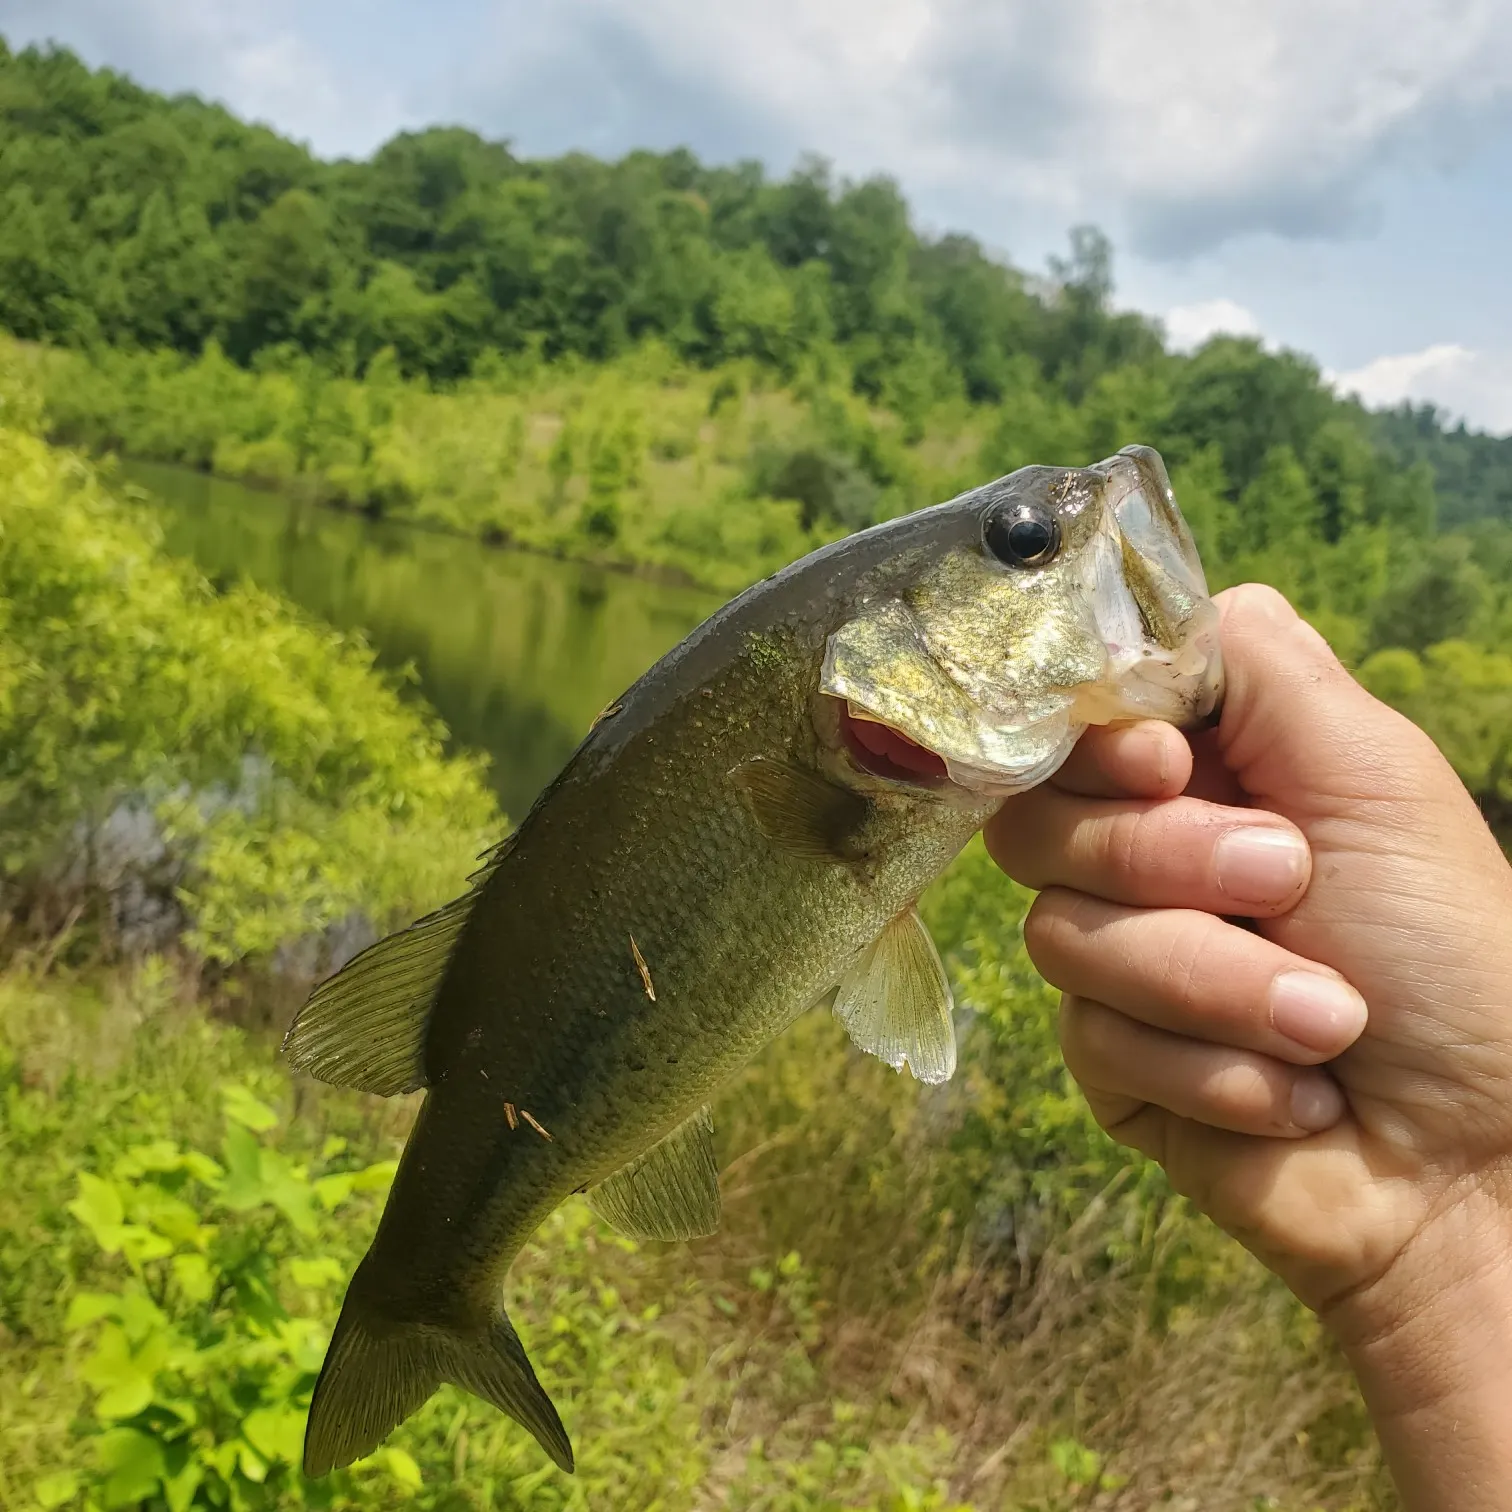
[{"x": 138, "y": 221}]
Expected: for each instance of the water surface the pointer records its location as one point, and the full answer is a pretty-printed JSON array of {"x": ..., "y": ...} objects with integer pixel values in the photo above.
[{"x": 516, "y": 652}]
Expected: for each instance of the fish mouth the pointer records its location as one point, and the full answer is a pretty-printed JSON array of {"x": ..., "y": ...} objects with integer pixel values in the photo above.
[
  {"x": 880, "y": 748},
  {"x": 885, "y": 751}
]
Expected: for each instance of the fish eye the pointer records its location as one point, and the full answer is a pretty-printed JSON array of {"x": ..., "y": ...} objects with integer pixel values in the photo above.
[{"x": 1022, "y": 535}]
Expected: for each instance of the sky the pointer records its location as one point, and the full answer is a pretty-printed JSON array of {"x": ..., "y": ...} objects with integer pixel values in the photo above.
[{"x": 1329, "y": 175}]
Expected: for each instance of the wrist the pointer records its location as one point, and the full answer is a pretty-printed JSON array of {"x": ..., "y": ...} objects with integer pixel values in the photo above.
[{"x": 1430, "y": 1343}]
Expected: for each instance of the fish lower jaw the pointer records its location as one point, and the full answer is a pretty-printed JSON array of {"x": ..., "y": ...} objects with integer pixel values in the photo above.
[{"x": 1177, "y": 687}]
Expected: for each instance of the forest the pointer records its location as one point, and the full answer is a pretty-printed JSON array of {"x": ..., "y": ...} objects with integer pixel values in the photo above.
[{"x": 207, "y": 798}]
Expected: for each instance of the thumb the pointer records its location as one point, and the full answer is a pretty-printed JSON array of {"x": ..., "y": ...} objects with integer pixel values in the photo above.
[{"x": 1306, "y": 740}]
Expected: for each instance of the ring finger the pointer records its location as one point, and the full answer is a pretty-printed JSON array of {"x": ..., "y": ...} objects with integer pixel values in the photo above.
[{"x": 1124, "y": 1067}]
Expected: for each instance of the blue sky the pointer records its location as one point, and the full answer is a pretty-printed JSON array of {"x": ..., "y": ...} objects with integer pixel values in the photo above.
[{"x": 1334, "y": 175}]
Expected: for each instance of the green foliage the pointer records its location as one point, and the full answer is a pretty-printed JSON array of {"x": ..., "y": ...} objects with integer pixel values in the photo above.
[
  {"x": 153, "y": 223},
  {"x": 247, "y": 768},
  {"x": 1461, "y": 694},
  {"x": 651, "y": 363},
  {"x": 200, "y": 1359}
]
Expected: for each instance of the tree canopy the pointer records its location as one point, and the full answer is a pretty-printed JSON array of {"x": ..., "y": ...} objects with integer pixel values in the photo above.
[{"x": 136, "y": 220}]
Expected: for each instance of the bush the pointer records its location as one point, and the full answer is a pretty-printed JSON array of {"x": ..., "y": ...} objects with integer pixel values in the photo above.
[{"x": 215, "y": 762}]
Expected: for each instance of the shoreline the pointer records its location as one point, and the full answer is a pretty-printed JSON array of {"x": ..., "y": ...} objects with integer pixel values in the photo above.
[{"x": 670, "y": 577}]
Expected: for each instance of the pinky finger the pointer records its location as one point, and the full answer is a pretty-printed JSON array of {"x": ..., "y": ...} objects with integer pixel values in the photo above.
[{"x": 1124, "y": 1066}]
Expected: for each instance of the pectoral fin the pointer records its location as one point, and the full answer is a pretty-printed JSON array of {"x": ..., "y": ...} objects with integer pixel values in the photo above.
[
  {"x": 806, "y": 814},
  {"x": 670, "y": 1192},
  {"x": 895, "y": 1001}
]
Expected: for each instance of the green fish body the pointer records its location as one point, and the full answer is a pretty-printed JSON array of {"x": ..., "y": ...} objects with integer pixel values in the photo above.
[{"x": 743, "y": 836}]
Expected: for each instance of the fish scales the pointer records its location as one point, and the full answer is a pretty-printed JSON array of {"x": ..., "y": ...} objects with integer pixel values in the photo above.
[
  {"x": 715, "y": 909},
  {"x": 743, "y": 839}
]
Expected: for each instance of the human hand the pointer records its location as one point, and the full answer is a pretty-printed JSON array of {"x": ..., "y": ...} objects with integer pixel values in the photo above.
[{"x": 1201, "y": 1041}]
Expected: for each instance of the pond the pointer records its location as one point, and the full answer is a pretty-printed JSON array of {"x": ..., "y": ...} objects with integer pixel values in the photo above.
[{"x": 516, "y": 652}]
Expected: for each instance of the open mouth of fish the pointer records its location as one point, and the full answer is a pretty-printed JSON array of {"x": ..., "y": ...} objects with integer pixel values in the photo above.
[{"x": 883, "y": 751}]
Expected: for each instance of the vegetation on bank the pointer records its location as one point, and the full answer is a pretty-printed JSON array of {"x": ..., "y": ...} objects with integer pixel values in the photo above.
[
  {"x": 723, "y": 476},
  {"x": 180, "y": 763},
  {"x": 1038, "y": 1324}
]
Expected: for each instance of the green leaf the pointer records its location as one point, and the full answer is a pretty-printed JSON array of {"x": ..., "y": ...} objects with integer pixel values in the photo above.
[
  {"x": 140, "y": 1316},
  {"x": 247, "y": 1110},
  {"x": 306, "y": 1341},
  {"x": 123, "y": 1382},
  {"x": 251, "y": 1464},
  {"x": 244, "y": 1187},
  {"x": 378, "y": 1177},
  {"x": 54, "y": 1490},
  {"x": 172, "y": 1217},
  {"x": 178, "y": 1490},
  {"x": 140, "y": 1244},
  {"x": 195, "y": 1280},
  {"x": 159, "y": 1157},
  {"x": 315, "y": 1273},
  {"x": 403, "y": 1468},
  {"x": 98, "y": 1207},
  {"x": 133, "y": 1465},
  {"x": 90, "y": 1307},
  {"x": 332, "y": 1191},
  {"x": 277, "y": 1433},
  {"x": 1075, "y": 1461}
]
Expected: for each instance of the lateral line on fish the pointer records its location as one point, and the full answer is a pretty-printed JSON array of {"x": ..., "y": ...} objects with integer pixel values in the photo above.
[
  {"x": 645, "y": 970},
  {"x": 540, "y": 1129}
]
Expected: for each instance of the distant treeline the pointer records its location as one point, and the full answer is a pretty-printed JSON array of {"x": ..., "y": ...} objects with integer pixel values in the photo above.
[{"x": 134, "y": 220}]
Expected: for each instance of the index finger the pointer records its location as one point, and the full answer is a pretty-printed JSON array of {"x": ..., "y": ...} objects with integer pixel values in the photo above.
[{"x": 1145, "y": 759}]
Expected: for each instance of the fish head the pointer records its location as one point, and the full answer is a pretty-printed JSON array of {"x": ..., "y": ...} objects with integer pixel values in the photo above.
[{"x": 1058, "y": 598}]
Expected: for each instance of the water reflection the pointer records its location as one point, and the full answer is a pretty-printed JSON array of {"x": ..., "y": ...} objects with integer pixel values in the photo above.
[{"x": 516, "y": 652}]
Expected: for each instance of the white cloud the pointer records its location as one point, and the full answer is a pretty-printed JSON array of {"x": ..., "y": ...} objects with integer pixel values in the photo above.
[
  {"x": 1475, "y": 386},
  {"x": 1177, "y": 124},
  {"x": 261, "y": 61},
  {"x": 1180, "y": 122},
  {"x": 1188, "y": 326}
]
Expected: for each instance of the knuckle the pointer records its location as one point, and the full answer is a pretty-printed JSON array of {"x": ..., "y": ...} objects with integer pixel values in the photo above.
[
  {"x": 1257, "y": 603},
  {"x": 1125, "y": 843},
  {"x": 1181, "y": 961},
  {"x": 1088, "y": 1032}
]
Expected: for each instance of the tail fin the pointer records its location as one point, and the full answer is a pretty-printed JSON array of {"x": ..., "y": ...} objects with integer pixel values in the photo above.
[{"x": 379, "y": 1370}]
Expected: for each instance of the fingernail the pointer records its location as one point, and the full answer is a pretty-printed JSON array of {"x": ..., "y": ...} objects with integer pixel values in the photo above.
[
  {"x": 1316, "y": 1103},
  {"x": 1260, "y": 865},
  {"x": 1318, "y": 1012}
]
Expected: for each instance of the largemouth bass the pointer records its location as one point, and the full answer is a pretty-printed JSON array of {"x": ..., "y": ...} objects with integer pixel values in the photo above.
[{"x": 740, "y": 838}]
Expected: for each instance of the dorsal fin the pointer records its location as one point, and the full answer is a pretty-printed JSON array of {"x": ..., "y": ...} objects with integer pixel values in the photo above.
[{"x": 365, "y": 1026}]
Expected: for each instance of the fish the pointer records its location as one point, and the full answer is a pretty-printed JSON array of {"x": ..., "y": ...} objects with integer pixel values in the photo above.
[{"x": 741, "y": 837}]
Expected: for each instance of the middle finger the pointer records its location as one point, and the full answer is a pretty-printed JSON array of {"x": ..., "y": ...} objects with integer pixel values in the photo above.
[{"x": 1193, "y": 975}]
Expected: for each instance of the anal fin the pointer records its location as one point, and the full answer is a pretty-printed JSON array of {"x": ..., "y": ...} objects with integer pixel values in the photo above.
[
  {"x": 895, "y": 1001},
  {"x": 671, "y": 1192}
]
